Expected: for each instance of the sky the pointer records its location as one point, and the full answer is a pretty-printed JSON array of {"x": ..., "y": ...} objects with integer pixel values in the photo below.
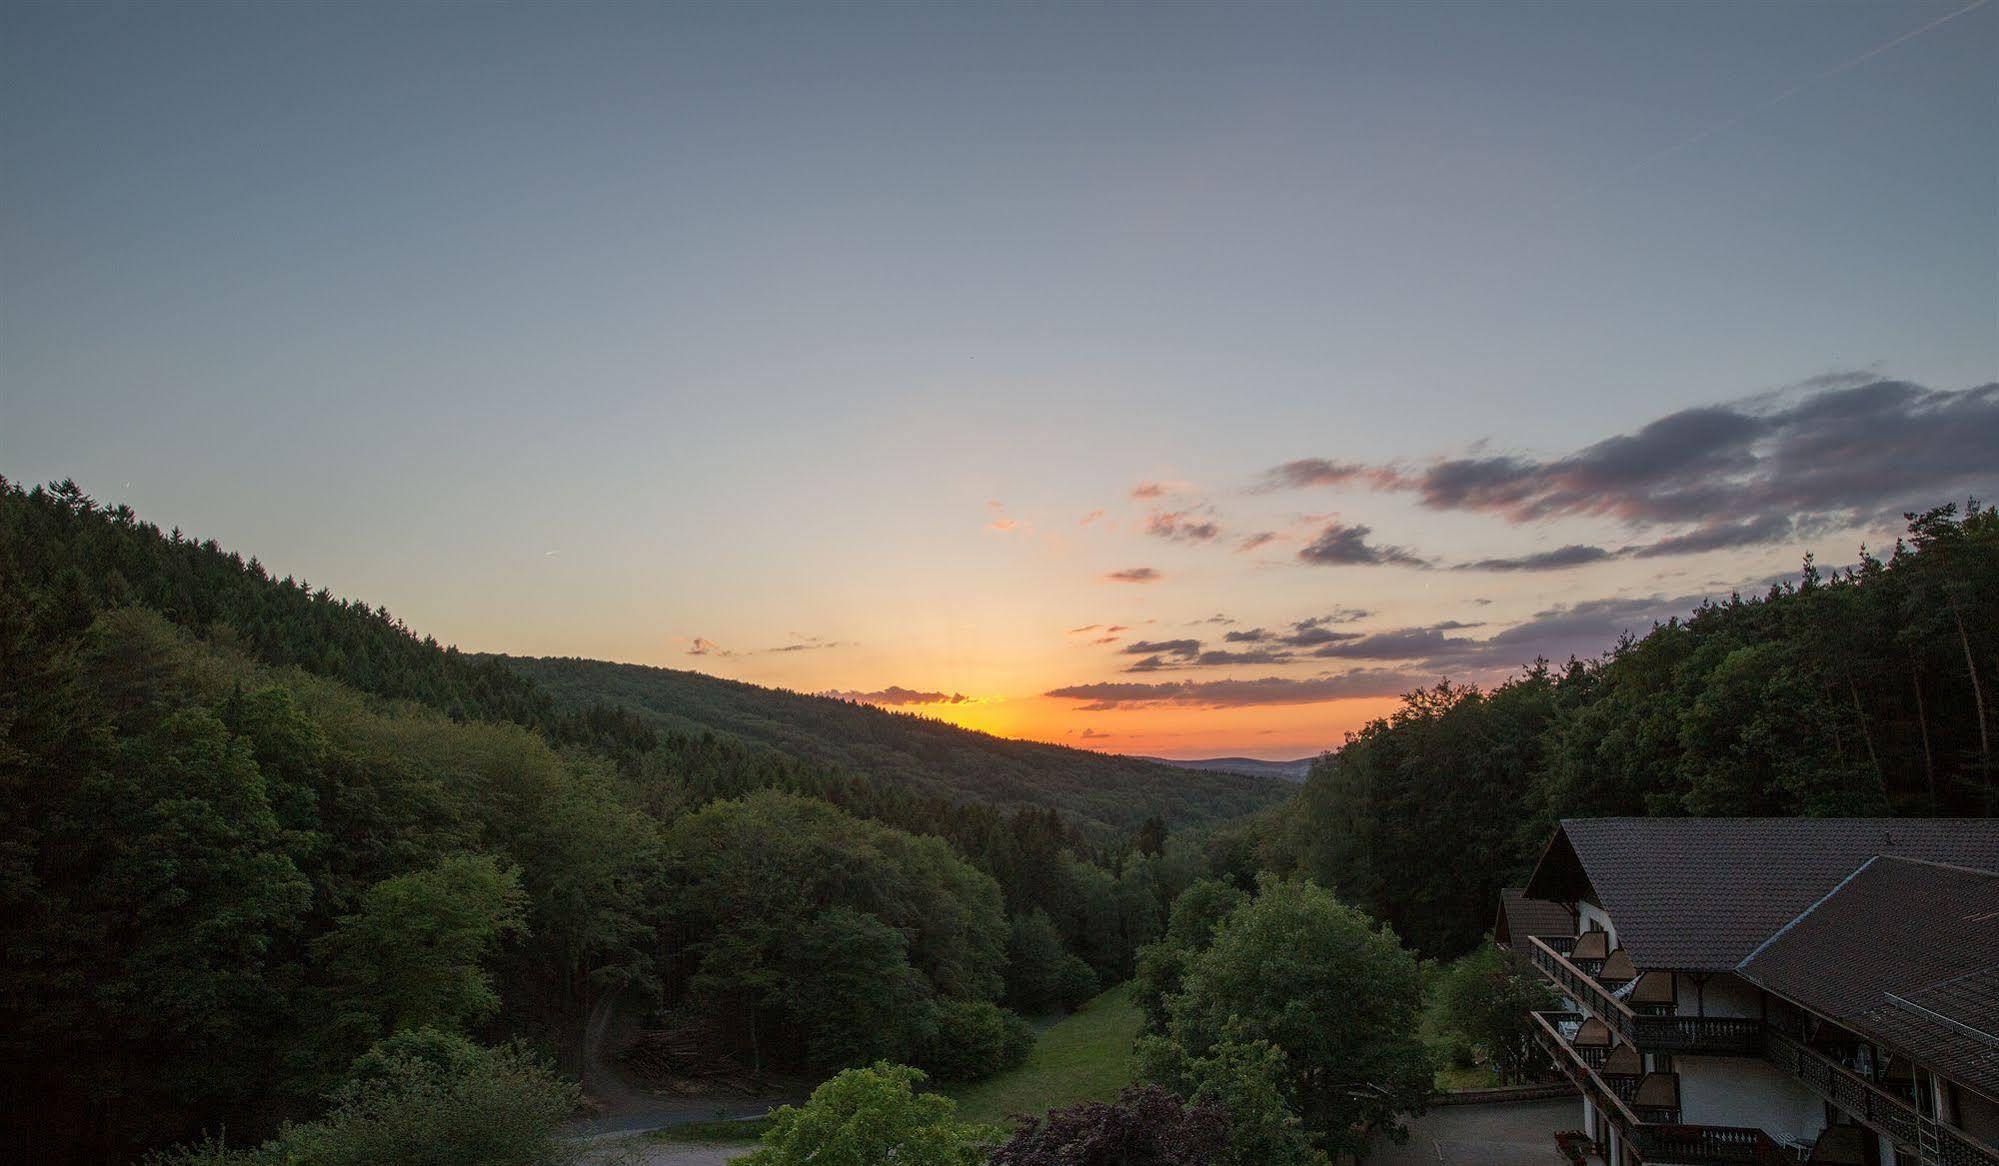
[{"x": 1182, "y": 380}]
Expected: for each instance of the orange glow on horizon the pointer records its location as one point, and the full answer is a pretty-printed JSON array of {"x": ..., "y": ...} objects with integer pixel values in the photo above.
[{"x": 1272, "y": 732}]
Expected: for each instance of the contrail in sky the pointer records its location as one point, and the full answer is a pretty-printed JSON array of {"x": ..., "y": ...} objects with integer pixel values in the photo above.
[{"x": 1736, "y": 119}]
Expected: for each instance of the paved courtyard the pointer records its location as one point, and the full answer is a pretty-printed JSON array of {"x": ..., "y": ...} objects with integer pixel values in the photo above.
[{"x": 1517, "y": 1134}]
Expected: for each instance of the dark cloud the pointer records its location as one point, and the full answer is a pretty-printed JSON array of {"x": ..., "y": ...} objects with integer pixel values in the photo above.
[
  {"x": 703, "y": 646},
  {"x": 1269, "y": 690},
  {"x": 1148, "y": 490},
  {"x": 1251, "y": 636},
  {"x": 1134, "y": 575},
  {"x": 1216, "y": 658},
  {"x": 1182, "y": 526},
  {"x": 1562, "y": 558},
  {"x": 1849, "y": 451},
  {"x": 1314, "y": 471},
  {"x": 896, "y": 695},
  {"x": 1318, "y": 629},
  {"x": 1162, "y": 647},
  {"x": 1714, "y": 536},
  {"x": 1340, "y": 545},
  {"x": 1418, "y": 643},
  {"x": 1260, "y": 538}
]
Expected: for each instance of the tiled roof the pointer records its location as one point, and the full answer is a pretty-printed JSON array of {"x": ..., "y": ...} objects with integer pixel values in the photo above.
[
  {"x": 1969, "y": 1003},
  {"x": 1522, "y": 916},
  {"x": 1699, "y": 894},
  {"x": 1904, "y": 952}
]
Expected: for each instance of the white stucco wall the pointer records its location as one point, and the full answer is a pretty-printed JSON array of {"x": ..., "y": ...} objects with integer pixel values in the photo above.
[
  {"x": 1588, "y": 914},
  {"x": 1747, "y": 1091}
]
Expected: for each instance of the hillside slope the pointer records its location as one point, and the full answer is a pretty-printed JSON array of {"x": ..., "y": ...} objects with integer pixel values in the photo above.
[
  {"x": 923, "y": 754},
  {"x": 1292, "y": 771}
]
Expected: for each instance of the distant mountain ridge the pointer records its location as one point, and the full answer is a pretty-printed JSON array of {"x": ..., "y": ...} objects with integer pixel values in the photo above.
[
  {"x": 920, "y": 753},
  {"x": 1292, "y": 771}
]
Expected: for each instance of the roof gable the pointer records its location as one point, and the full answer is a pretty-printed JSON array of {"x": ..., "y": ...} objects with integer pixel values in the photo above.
[{"x": 1700, "y": 894}]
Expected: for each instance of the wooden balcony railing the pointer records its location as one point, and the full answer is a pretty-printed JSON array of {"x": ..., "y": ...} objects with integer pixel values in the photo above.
[
  {"x": 1935, "y": 1144},
  {"x": 1738, "y": 1036},
  {"x": 1656, "y": 1142}
]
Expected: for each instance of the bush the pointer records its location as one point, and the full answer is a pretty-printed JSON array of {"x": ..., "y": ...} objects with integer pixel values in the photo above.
[
  {"x": 866, "y": 1117},
  {"x": 975, "y": 1039},
  {"x": 1146, "y": 1127},
  {"x": 1076, "y": 982},
  {"x": 1485, "y": 1000},
  {"x": 422, "y": 1098}
]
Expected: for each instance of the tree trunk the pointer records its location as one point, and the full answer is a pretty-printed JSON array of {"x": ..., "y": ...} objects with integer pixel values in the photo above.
[
  {"x": 1923, "y": 726},
  {"x": 1977, "y": 703},
  {"x": 1867, "y": 738}
]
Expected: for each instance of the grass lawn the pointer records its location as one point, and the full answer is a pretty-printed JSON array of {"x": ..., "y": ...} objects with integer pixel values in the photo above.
[
  {"x": 1085, "y": 1057},
  {"x": 711, "y": 1132}
]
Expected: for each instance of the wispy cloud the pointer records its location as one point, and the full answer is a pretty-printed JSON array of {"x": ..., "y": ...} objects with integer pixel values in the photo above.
[
  {"x": 998, "y": 522},
  {"x": 703, "y": 646},
  {"x": 1134, "y": 575},
  {"x": 1840, "y": 451},
  {"x": 1191, "y": 526},
  {"x": 1268, "y": 690},
  {"x": 1340, "y": 545},
  {"x": 1559, "y": 559},
  {"x": 895, "y": 695}
]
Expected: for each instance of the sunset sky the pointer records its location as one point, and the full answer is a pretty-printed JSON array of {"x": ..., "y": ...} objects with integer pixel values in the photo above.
[{"x": 1183, "y": 380}]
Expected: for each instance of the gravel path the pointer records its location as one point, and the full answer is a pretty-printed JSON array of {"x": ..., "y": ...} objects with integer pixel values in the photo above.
[{"x": 1520, "y": 1133}]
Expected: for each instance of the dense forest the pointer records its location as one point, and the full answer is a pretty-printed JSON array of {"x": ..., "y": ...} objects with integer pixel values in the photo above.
[
  {"x": 1857, "y": 692},
  {"x": 268, "y": 857},
  {"x": 916, "y": 752},
  {"x": 257, "y": 839}
]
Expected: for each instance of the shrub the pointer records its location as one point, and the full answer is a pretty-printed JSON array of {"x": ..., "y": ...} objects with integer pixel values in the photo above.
[
  {"x": 976, "y": 1039},
  {"x": 1147, "y": 1126},
  {"x": 1076, "y": 982},
  {"x": 866, "y": 1117},
  {"x": 421, "y": 1098},
  {"x": 1485, "y": 1000}
]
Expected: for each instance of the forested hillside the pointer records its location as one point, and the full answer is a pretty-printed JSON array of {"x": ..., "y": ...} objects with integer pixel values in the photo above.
[
  {"x": 1859, "y": 692},
  {"x": 917, "y": 752},
  {"x": 257, "y": 843}
]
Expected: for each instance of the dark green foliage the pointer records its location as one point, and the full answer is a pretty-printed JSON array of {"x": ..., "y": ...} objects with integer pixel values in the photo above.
[
  {"x": 1247, "y": 1080},
  {"x": 869, "y": 1116},
  {"x": 1330, "y": 991},
  {"x": 1486, "y": 997},
  {"x": 1863, "y": 692},
  {"x": 1042, "y": 975},
  {"x": 228, "y": 863},
  {"x": 1197, "y": 914},
  {"x": 422, "y": 1098},
  {"x": 975, "y": 1039},
  {"x": 410, "y": 957},
  {"x": 1146, "y": 1126},
  {"x": 911, "y": 752}
]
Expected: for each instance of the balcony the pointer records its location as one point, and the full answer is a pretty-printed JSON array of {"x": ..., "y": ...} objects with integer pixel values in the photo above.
[
  {"x": 1631, "y": 1103},
  {"x": 1936, "y": 1144},
  {"x": 1718, "y": 1035}
]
